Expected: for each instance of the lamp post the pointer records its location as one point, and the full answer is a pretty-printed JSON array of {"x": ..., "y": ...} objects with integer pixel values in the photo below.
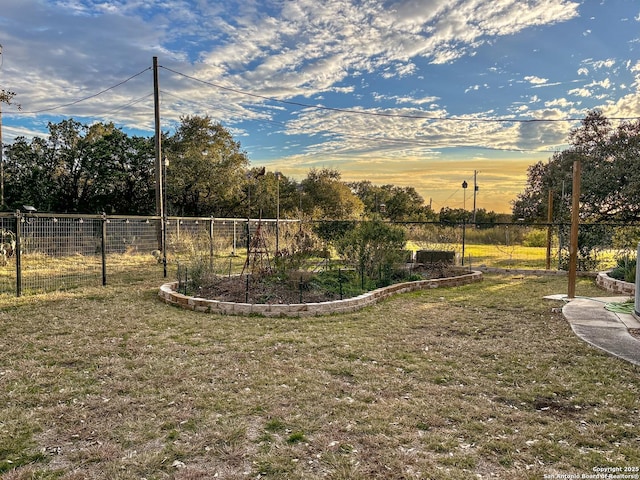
[
  {"x": 464, "y": 198},
  {"x": 464, "y": 216}
]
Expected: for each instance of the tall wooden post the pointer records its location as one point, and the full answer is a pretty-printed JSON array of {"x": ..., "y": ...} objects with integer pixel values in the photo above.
[
  {"x": 18, "y": 253},
  {"x": 575, "y": 224},
  {"x": 159, "y": 166},
  {"x": 549, "y": 227},
  {"x": 158, "y": 145}
]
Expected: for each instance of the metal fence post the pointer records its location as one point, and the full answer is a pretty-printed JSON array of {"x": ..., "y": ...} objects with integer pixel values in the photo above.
[
  {"x": 211, "y": 244},
  {"x": 104, "y": 249},
  {"x": 18, "y": 253},
  {"x": 464, "y": 232},
  {"x": 636, "y": 307}
]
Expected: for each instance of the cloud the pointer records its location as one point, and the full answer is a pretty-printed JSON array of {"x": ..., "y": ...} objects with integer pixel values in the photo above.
[
  {"x": 535, "y": 80},
  {"x": 303, "y": 48},
  {"x": 600, "y": 64},
  {"x": 336, "y": 52},
  {"x": 558, "y": 102},
  {"x": 580, "y": 92},
  {"x": 606, "y": 84}
]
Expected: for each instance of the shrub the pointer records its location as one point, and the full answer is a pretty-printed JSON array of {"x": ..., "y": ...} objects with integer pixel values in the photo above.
[
  {"x": 535, "y": 238},
  {"x": 374, "y": 247},
  {"x": 625, "y": 270}
]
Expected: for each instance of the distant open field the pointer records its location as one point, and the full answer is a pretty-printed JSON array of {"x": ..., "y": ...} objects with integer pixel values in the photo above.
[{"x": 480, "y": 381}]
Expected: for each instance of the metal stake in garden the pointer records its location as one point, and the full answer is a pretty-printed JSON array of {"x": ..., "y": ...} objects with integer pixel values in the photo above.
[{"x": 257, "y": 261}]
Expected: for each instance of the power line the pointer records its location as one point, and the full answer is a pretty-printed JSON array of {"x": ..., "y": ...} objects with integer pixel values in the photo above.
[
  {"x": 336, "y": 135},
  {"x": 90, "y": 96},
  {"x": 132, "y": 102},
  {"x": 389, "y": 115},
  {"x": 325, "y": 108}
]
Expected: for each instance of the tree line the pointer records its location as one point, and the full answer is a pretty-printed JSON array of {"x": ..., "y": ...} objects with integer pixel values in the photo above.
[
  {"x": 610, "y": 178},
  {"x": 97, "y": 168}
]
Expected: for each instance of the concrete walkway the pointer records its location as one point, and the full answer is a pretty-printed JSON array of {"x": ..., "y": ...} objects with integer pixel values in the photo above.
[{"x": 606, "y": 330}]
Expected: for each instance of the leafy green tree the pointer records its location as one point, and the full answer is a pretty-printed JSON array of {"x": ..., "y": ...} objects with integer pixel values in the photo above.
[
  {"x": 126, "y": 174},
  {"x": 405, "y": 204},
  {"x": 374, "y": 198},
  {"x": 454, "y": 215},
  {"x": 327, "y": 197},
  {"x": 80, "y": 168},
  {"x": 206, "y": 173},
  {"x": 29, "y": 175},
  {"x": 398, "y": 204},
  {"x": 271, "y": 190}
]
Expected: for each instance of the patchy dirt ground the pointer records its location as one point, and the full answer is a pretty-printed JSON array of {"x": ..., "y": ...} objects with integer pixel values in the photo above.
[
  {"x": 270, "y": 290},
  {"x": 265, "y": 290}
]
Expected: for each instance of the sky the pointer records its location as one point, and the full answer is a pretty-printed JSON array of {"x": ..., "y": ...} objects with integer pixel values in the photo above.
[{"x": 419, "y": 93}]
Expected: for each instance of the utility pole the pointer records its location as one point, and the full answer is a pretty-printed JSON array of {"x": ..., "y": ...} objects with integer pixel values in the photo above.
[
  {"x": 158, "y": 145},
  {"x": 159, "y": 168},
  {"x": 475, "y": 191},
  {"x": 575, "y": 224}
]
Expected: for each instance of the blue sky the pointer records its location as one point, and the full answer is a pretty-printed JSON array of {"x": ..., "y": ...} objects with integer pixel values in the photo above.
[{"x": 418, "y": 93}]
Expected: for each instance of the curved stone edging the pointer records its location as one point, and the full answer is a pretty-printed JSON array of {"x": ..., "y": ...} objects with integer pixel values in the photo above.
[
  {"x": 613, "y": 285},
  {"x": 168, "y": 295},
  {"x": 531, "y": 271}
]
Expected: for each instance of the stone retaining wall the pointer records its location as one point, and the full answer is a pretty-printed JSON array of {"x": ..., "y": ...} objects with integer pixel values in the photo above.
[
  {"x": 615, "y": 286},
  {"x": 168, "y": 295}
]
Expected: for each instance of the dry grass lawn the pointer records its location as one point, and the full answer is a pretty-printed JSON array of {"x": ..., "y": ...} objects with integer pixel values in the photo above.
[{"x": 481, "y": 381}]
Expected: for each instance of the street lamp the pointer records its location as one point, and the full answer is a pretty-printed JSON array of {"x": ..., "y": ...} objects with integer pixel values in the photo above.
[
  {"x": 464, "y": 217},
  {"x": 464, "y": 201}
]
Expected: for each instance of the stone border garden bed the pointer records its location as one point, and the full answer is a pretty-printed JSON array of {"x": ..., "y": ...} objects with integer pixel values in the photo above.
[
  {"x": 615, "y": 286},
  {"x": 168, "y": 295}
]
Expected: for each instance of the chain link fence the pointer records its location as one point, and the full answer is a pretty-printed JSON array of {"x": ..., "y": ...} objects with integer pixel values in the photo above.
[{"x": 49, "y": 252}]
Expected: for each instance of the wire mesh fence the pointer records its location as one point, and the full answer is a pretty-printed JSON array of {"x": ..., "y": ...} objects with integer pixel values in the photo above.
[
  {"x": 526, "y": 246},
  {"x": 7, "y": 253},
  {"x": 47, "y": 252}
]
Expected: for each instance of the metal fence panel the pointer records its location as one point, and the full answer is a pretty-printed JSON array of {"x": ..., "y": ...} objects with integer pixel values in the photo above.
[
  {"x": 7, "y": 255},
  {"x": 67, "y": 251},
  {"x": 59, "y": 253}
]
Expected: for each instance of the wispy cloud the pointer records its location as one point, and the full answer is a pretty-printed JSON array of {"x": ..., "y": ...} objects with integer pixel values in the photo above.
[{"x": 536, "y": 80}]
